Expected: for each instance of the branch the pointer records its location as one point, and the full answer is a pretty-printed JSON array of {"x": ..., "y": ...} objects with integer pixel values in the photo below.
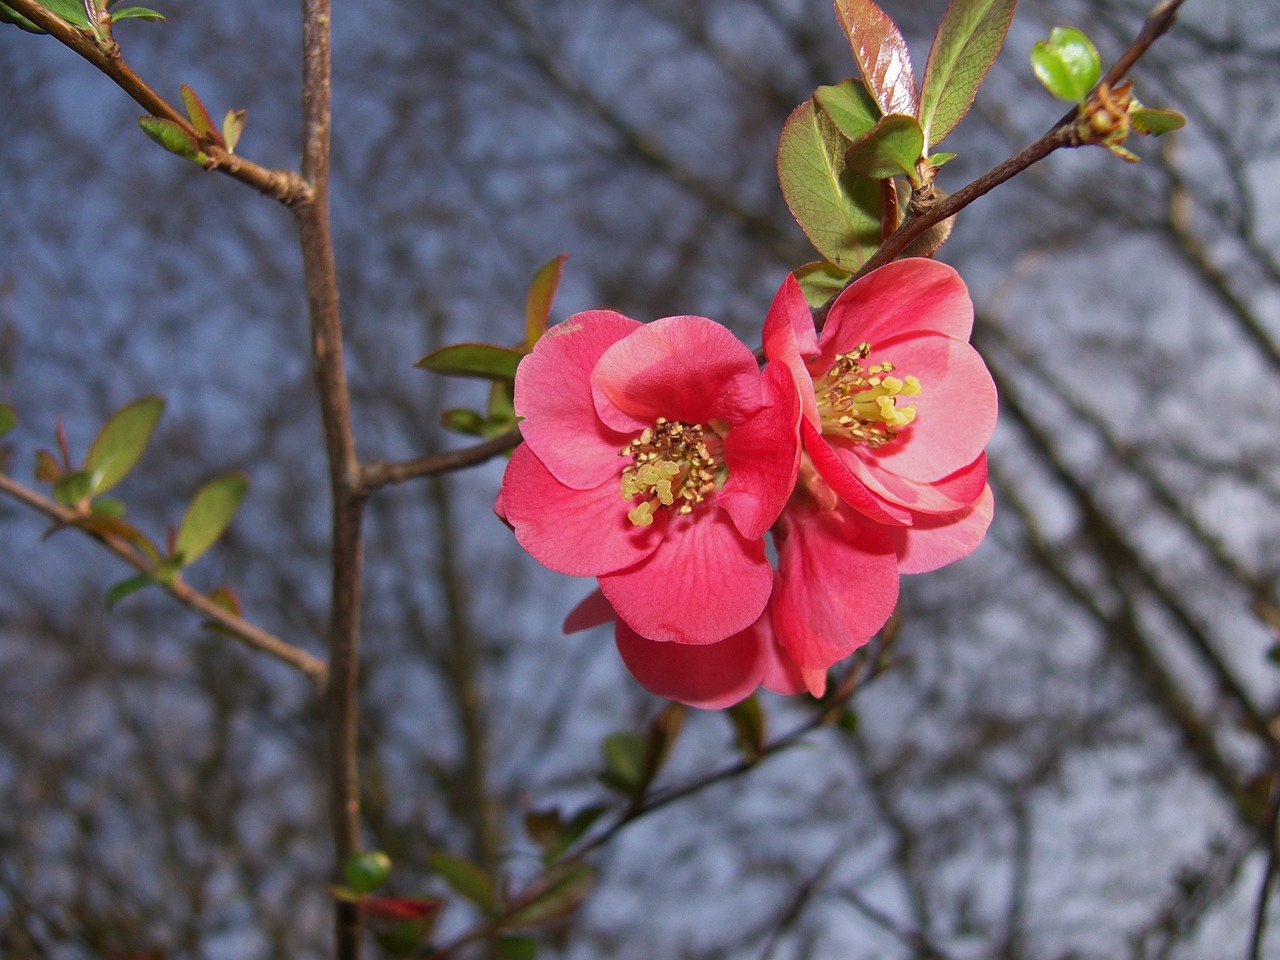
[
  {"x": 247, "y": 633},
  {"x": 380, "y": 473},
  {"x": 283, "y": 185}
]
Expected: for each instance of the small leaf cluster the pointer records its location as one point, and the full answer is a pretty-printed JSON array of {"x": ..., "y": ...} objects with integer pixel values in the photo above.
[
  {"x": 77, "y": 13},
  {"x": 190, "y": 143}
]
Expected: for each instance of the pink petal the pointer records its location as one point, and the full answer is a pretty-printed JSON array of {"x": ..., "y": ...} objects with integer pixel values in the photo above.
[
  {"x": 948, "y": 495},
  {"x": 955, "y": 411},
  {"x": 763, "y": 456},
  {"x": 553, "y": 395},
  {"x": 789, "y": 336},
  {"x": 683, "y": 368},
  {"x": 592, "y": 611},
  {"x": 703, "y": 584},
  {"x": 837, "y": 585},
  {"x": 936, "y": 541},
  {"x": 900, "y": 297},
  {"x": 711, "y": 676},
  {"x": 846, "y": 474},
  {"x": 783, "y": 675},
  {"x": 582, "y": 533}
]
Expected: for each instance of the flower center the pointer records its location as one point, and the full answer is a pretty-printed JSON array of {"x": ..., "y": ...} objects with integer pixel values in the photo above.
[
  {"x": 672, "y": 464},
  {"x": 860, "y": 402}
]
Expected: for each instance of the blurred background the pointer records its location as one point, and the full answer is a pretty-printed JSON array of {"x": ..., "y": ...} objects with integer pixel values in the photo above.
[{"x": 1072, "y": 756}]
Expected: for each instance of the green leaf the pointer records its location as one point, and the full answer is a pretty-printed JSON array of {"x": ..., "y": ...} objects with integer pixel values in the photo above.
[
  {"x": 941, "y": 157},
  {"x": 172, "y": 137},
  {"x": 542, "y": 291},
  {"x": 462, "y": 420},
  {"x": 892, "y": 149},
  {"x": 485, "y": 360},
  {"x": 820, "y": 281},
  {"x": 663, "y": 732},
  {"x": 558, "y": 840},
  {"x": 136, "y": 13},
  {"x": 9, "y": 15},
  {"x": 208, "y": 514},
  {"x": 73, "y": 488},
  {"x": 232, "y": 127},
  {"x": 964, "y": 48},
  {"x": 749, "y": 727},
  {"x": 8, "y": 419},
  {"x": 71, "y": 11},
  {"x": 624, "y": 762},
  {"x": 125, "y": 587},
  {"x": 1067, "y": 64},
  {"x": 554, "y": 895},
  {"x": 107, "y": 507},
  {"x": 196, "y": 111},
  {"x": 112, "y": 525},
  {"x": 121, "y": 442},
  {"x": 839, "y": 213},
  {"x": 881, "y": 54},
  {"x": 367, "y": 870},
  {"x": 517, "y": 948},
  {"x": 466, "y": 879},
  {"x": 1151, "y": 121},
  {"x": 849, "y": 107}
]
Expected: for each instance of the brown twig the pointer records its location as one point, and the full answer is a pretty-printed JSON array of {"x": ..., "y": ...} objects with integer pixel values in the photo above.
[
  {"x": 381, "y": 473},
  {"x": 283, "y": 185},
  {"x": 247, "y": 633}
]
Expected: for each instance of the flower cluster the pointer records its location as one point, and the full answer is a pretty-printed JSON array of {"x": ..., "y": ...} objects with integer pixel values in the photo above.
[{"x": 657, "y": 456}]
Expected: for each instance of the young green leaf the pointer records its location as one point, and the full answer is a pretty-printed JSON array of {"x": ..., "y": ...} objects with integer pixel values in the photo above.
[
  {"x": 964, "y": 48},
  {"x": 624, "y": 762},
  {"x": 136, "y": 13},
  {"x": 553, "y": 896},
  {"x": 196, "y": 111},
  {"x": 8, "y": 419},
  {"x": 122, "y": 589},
  {"x": 366, "y": 870},
  {"x": 485, "y": 360},
  {"x": 1153, "y": 121},
  {"x": 466, "y": 879},
  {"x": 892, "y": 149},
  {"x": 73, "y": 488},
  {"x": 71, "y": 11},
  {"x": 9, "y": 15},
  {"x": 462, "y": 420},
  {"x": 172, "y": 137},
  {"x": 542, "y": 291},
  {"x": 849, "y": 107},
  {"x": 820, "y": 281},
  {"x": 839, "y": 213},
  {"x": 881, "y": 54},
  {"x": 208, "y": 515},
  {"x": 232, "y": 127},
  {"x": 121, "y": 441},
  {"x": 1067, "y": 64}
]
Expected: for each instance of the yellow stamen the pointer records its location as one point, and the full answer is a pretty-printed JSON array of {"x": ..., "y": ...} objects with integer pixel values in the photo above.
[
  {"x": 672, "y": 464},
  {"x": 860, "y": 403}
]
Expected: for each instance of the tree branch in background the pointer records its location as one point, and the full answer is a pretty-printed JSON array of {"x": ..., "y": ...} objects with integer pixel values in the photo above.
[{"x": 380, "y": 473}]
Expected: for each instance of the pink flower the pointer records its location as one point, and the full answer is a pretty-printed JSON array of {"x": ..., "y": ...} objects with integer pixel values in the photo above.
[
  {"x": 897, "y": 406},
  {"x": 655, "y": 458}
]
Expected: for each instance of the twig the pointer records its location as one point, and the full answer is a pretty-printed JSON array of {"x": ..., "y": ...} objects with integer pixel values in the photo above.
[
  {"x": 1258, "y": 932},
  {"x": 381, "y": 473},
  {"x": 247, "y": 633},
  {"x": 283, "y": 185}
]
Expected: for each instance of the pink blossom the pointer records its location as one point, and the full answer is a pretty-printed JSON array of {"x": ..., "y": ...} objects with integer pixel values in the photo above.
[
  {"x": 656, "y": 456},
  {"x": 897, "y": 406}
]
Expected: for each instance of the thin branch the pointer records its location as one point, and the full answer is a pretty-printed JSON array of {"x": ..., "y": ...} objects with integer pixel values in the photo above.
[
  {"x": 1258, "y": 932},
  {"x": 283, "y": 185},
  {"x": 381, "y": 473},
  {"x": 237, "y": 627}
]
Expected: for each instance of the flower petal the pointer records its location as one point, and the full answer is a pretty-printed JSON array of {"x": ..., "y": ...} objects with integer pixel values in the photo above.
[
  {"x": 553, "y": 395},
  {"x": 948, "y": 495},
  {"x": 583, "y": 533},
  {"x": 683, "y": 368},
  {"x": 846, "y": 474},
  {"x": 934, "y": 542},
  {"x": 592, "y": 611},
  {"x": 789, "y": 336},
  {"x": 763, "y": 456},
  {"x": 837, "y": 584},
  {"x": 900, "y": 297},
  {"x": 712, "y": 675},
  {"x": 703, "y": 584}
]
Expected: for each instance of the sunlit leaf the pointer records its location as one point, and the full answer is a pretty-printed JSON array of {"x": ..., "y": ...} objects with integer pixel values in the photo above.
[
  {"x": 8, "y": 419},
  {"x": 1156, "y": 122},
  {"x": 71, "y": 11},
  {"x": 122, "y": 589},
  {"x": 964, "y": 48},
  {"x": 1067, "y": 64},
  {"x": 542, "y": 291},
  {"x": 196, "y": 111},
  {"x": 208, "y": 515},
  {"x": 366, "y": 870},
  {"x": 892, "y": 149},
  {"x": 881, "y": 54},
  {"x": 820, "y": 281},
  {"x": 485, "y": 360},
  {"x": 941, "y": 157},
  {"x": 839, "y": 213},
  {"x": 849, "y": 107},
  {"x": 121, "y": 442},
  {"x": 466, "y": 879},
  {"x": 233, "y": 127},
  {"x": 136, "y": 13},
  {"x": 553, "y": 896},
  {"x": 172, "y": 137}
]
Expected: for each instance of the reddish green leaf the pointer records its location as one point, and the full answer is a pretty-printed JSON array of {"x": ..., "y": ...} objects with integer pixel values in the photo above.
[
  {"x": 121, "y": 442},
  {"x": 820, "y": 281},
  {"x": 8, "y": 419},
  {"x": 232, "y": 127},
  {"x": 892, "y": 149},
  {"x": 401, "y": 908},
  {"x": 48, "y": 470},
  {"x": 849, "y": 107},
  {"x": 1153, "y": 121},
  {"x": 553, "y": 896},
  {"x": 881, "y": 54},
  {"x": 196, "y": 112},
  {"x": 1067, "y": 64},
  {"x": 125, "y": 587},
  {"x": 366, "y": 870},
  {"x": 964, "y": 48},
  {"x": 839, "y": 213},
  {"x": 226, "y": 598},
  {"x": 466, "y": 879},
  {"x": 172, "y": 137},
  {"x": 542, "y": 291},
  {"x": 107, "y": 525},
  {"x": 208, "y": 515},
  {"x": 485, "y": 360}
]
